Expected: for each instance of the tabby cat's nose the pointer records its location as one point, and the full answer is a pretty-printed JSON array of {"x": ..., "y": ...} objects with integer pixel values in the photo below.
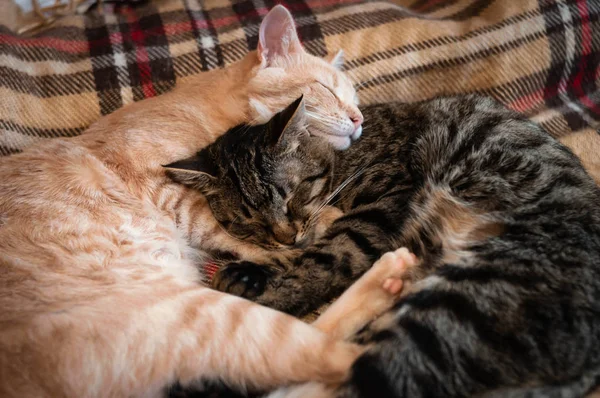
[
  {"x": 288, "y": 240},
  {"x": 285, "y": 234}
]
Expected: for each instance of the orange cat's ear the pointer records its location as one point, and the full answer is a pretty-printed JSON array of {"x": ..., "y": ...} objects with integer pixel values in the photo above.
[
  {"x": 288, "y": 123},
  {"x": 277, "y": 36},
  {"x": 193, "y": 172},
  {"x": 337, "y": 59}
]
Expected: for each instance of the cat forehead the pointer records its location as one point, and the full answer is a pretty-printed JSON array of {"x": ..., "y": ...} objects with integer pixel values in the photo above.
[
  {"x": 319, "y": 70},
  {"x": 331, "y": 76},
  {"x": 337, "y": 82}
]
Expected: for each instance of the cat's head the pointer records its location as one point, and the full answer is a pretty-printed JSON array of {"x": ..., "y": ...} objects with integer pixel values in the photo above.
[
  {"x": 286, "y": 70},
  {"x": 263, "y": 183}
]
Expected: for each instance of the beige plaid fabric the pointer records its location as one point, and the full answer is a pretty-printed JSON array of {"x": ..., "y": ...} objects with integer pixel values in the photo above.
[{"x": 537, "y": 56}]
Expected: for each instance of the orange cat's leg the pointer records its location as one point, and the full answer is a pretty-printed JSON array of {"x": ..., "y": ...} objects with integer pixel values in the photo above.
[
  {"x": 245, "y": 344},
  {"x": 135, "y": 343},
  {"x": 133, "y": 340},
  {"x": 375, "y": 292}
]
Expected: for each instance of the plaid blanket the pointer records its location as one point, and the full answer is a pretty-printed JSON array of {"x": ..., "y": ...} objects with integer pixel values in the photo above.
[{"x": 540, "y": 57}]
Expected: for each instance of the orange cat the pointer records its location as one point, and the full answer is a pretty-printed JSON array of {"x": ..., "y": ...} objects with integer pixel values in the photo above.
[{"x": 100, "y": 292}]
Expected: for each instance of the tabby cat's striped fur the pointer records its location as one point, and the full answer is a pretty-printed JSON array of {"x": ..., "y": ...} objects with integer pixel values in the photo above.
[{"x": 506, "y": 224}]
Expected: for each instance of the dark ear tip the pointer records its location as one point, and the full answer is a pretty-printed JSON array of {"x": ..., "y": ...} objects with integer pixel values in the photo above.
[
  {"x": 171, "y": 173},
  {"x": 174, "y": 165},
  {"x": 296, "y": 104}
]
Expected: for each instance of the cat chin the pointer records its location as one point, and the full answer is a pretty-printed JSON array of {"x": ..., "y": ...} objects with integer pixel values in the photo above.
[
  {"x": 357, "y": 133},
  {"x": 339, "y": 142}
]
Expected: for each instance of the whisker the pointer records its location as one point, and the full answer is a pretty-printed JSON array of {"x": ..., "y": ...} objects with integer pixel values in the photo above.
[
  {"x": 339, "y": 198},
  {"x": 327, "y": 123},
  {"x": 322, "y": 117},
  {"x": 333, "y": 194},
  {"x": 227, "y": 231}
]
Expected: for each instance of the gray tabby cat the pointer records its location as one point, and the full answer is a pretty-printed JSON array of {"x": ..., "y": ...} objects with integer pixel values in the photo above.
[{"x": 505, "y": 300}]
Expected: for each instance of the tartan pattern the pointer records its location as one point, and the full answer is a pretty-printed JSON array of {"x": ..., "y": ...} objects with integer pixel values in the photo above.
[{"x": 538, "y": 57}]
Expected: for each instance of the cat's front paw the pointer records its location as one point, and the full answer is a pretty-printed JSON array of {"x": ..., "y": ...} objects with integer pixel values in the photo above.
[
  {"x": 390, "y": 268},
  {"x": 243, "y": 278}
]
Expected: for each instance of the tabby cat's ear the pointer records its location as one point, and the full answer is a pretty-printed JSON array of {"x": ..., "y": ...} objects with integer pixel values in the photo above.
[
  {"x": 193, "y": 172},
  {"x": 277, "y": 36},
  {"x": 288, "y": 123},
  {"x": 337, "y": 60}
]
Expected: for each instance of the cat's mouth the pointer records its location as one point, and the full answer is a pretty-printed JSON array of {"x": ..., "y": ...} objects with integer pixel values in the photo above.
[
  {"x": 357, "y": 133},
  {"x": 339, "y": 140}
]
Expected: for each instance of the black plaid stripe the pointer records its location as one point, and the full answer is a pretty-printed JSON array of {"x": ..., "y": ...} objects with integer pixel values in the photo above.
[
  {"x": 211, "y": 55},
  {"x": 5, "y": 151},
  {"x": 452, "y": 62},
  {"x": 249, "y": 20},
  {"x": 106, "y": 75},
  {"x": 472, "y": 10},
  {"x": 48, "y": 85},
  {"x": 160, "y": 59},
  {"x": 438, "y": 41},
  {"x": 429, "y": 6},
  {"x": 8, "y": 125},
  {"x": 363, "y": 20},
  {"x": 309, "y": 30}
]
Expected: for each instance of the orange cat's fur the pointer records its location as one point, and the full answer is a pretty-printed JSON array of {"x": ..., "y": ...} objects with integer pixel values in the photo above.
[{"x": 100, "y": 290}]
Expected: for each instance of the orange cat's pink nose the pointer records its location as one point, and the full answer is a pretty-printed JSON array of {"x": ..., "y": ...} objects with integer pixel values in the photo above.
[{"x": 357, "y": 119}]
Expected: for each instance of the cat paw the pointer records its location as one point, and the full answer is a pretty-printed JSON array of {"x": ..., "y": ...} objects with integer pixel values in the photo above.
[
  {"x": 243, "y": 279},
  {"x": 390, "y": 269}
]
